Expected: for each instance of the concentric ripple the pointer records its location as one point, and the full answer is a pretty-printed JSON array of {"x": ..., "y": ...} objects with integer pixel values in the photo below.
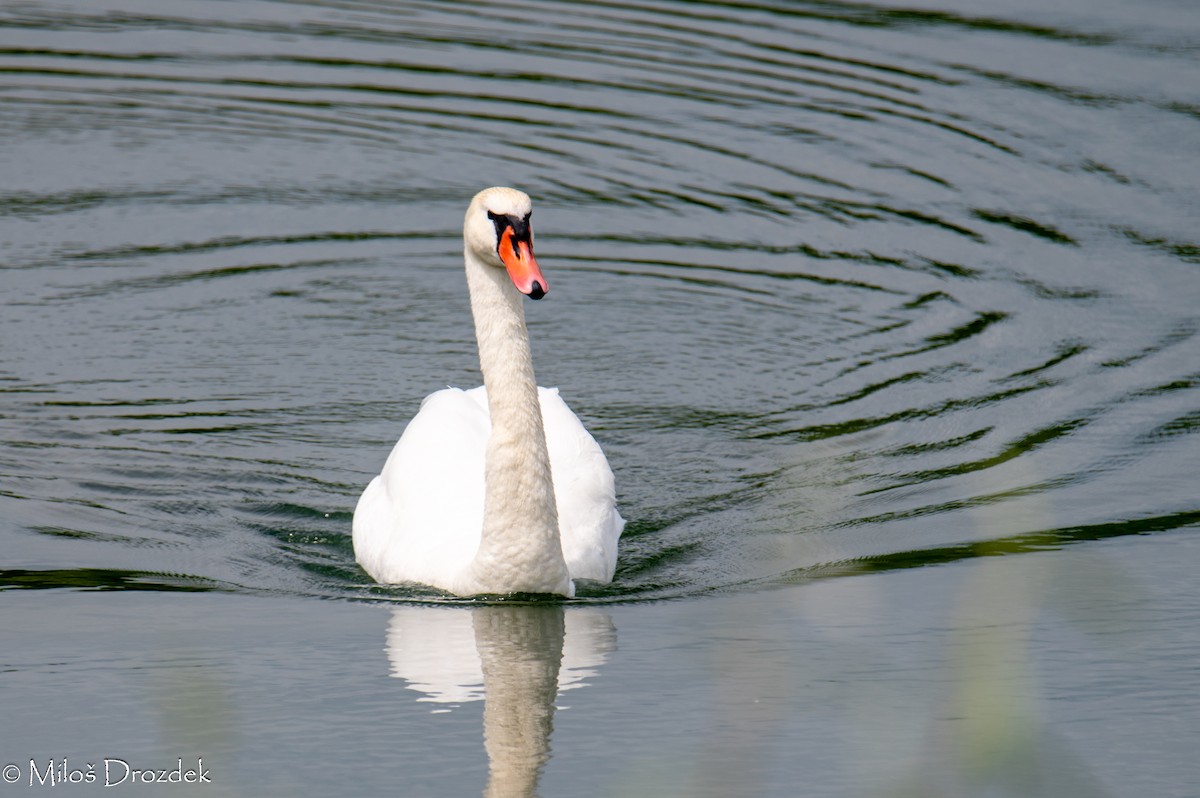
[{"x": 838, "y": 286}]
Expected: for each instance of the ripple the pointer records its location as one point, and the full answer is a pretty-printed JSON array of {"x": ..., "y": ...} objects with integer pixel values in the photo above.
[
  {"x": 835, "y": 281},
  {"x": 99, "y": 579}
]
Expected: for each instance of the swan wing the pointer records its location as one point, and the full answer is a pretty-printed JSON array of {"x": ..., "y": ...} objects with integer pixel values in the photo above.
[
  {"x": 583, "y": 490},
  {"x": 420, "y": 519}
]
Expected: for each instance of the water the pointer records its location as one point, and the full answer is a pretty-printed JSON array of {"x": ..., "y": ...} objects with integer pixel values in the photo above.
[{"x": 843, "y": 290}]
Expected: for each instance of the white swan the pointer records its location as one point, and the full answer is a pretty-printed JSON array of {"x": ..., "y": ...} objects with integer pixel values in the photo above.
[{"x": 499, "y": 489}]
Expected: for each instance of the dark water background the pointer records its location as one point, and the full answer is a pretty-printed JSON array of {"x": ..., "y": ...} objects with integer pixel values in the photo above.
[{"x": 843, "y": 290}]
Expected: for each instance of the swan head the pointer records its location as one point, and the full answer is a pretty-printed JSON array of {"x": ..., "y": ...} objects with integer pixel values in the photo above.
[{"x": 498, "y": 232}]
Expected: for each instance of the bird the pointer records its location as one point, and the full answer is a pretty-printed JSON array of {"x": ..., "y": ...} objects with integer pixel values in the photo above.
[{"x": 499, "y": 489}]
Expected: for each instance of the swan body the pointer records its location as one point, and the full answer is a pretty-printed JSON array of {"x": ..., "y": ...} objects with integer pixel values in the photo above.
[{"x": 499, "y": 489}]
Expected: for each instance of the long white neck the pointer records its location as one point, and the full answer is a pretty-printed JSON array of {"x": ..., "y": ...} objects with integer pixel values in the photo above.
[{"x": 520, "y": 550}]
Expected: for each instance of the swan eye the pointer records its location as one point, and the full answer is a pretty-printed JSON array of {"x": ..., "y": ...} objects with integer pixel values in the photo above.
[{"x": 520, "y": 226}]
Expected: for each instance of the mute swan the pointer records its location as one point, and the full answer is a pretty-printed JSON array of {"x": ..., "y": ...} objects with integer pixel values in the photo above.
[{"x": 498, "y": 489}]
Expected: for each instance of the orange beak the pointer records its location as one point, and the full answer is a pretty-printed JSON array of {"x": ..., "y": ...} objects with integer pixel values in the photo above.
[{"x": 522, "y": 268}]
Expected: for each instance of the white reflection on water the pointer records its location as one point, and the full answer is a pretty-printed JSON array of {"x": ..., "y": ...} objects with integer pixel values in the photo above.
[{"x": 515, "y": 657}]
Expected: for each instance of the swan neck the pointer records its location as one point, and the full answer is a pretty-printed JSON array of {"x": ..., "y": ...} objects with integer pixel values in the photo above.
[{"x": 519, "y": 550}]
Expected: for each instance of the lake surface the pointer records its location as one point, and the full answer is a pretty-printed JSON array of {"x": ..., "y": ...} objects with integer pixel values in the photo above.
[{"x": 886, "y": 316}]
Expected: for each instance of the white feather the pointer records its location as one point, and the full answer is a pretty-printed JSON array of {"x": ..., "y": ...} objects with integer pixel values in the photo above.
[
  {"x": 420, "y": 520},
  {"x": 551, "y": 516}
]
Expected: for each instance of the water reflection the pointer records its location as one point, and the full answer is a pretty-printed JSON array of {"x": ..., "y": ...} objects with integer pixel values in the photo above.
[
  {"x": 989, "y": 729},
  {"x": 517, "y": 658}
]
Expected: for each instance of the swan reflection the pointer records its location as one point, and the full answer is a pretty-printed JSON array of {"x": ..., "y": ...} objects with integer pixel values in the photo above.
[{"x": 517, "y": 658}]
